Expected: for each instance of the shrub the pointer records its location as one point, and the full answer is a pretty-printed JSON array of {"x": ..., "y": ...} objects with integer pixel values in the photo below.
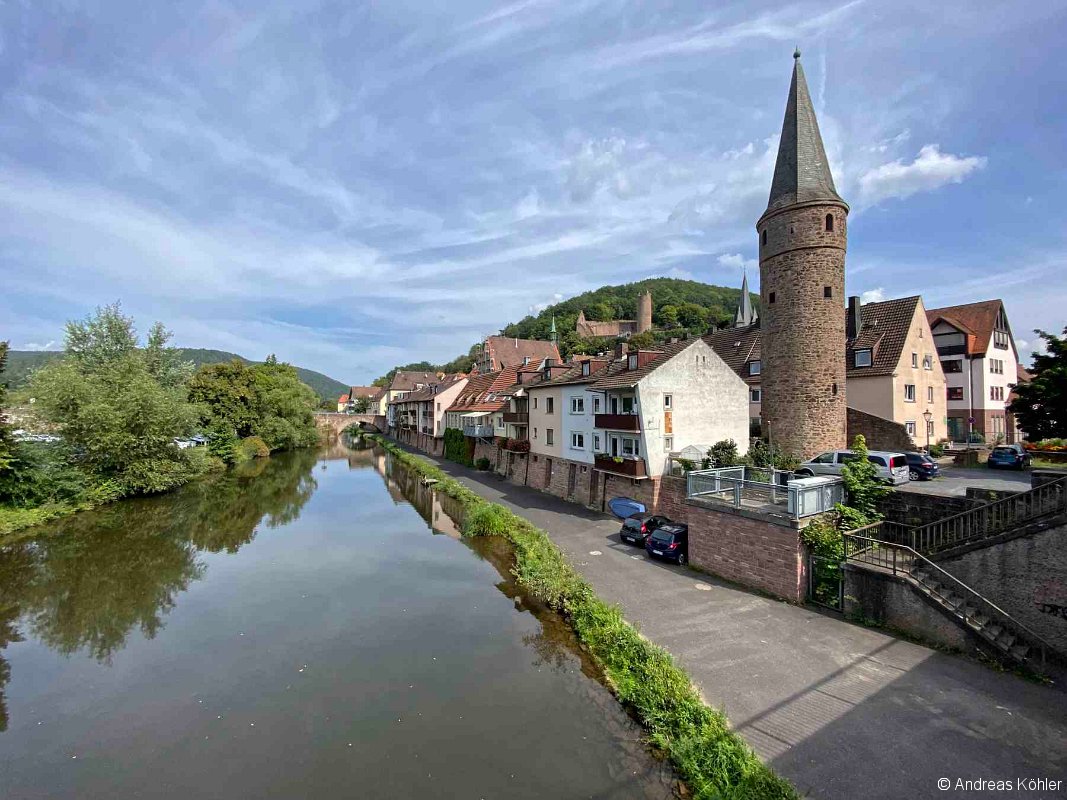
[
  {"x": 487, "y": 520},
  {"x": 937, "y": 450},
  {"x": 483, "y": 463},
  {"x": 724, "y": 453},
  {"x": 862, "y": 483},
  {"x": 254, "y": 447},
  {"x": 456, "y": 447}
]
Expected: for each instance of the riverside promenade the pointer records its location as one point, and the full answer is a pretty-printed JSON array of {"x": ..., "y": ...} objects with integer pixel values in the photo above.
[{"x": 841, "y": 710}]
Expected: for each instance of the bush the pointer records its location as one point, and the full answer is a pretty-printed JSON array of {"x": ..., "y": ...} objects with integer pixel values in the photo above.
[
  {"x": 862, "y": 483},
  {"x": 724, "y": 453},
  {"x": 456, "y": 448},
  {"x": 483, "y": 463},
  {"x": 937, "y": 450},
  {"x": 253, "y": 447}
]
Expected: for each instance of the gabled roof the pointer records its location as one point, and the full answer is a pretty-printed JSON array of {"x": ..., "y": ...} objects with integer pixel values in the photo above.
[
  {"x": 430, "y": 392},
  {"x": 509, "y": 352},
  {"x": 801, "y": 172},
  {"x": 738, "y": 346},
  {"x": 404, "y": 381},
  {"x": 487, "y": 392},
  {"x": 977, "y": 319},
  {"x": 617, "y": 376},
  {"x": 883, "y": 330}
]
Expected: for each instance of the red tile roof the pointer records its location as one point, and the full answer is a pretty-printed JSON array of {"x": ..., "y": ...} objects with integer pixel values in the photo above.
[
  {"x": 508, "y": 352},
  {"x": 884, "y": 330},
  {"x": 976, "y": 319},
  {"x": 617, "y": 376},
  {"x": 737, "y": 347}
]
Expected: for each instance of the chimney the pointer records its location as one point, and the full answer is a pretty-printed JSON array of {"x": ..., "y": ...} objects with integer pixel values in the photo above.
[
  {"x": 852, "y": 321},
  {"x": 621, "y": 348}
]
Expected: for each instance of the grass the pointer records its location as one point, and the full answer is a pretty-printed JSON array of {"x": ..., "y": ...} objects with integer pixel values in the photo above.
[{"x": 713, "y": 760}]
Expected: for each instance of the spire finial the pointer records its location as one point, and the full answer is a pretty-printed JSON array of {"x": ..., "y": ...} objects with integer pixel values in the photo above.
[{"x": 796, "y": 52}]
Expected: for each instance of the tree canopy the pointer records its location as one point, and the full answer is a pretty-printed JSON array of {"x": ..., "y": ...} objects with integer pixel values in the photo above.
[{"x": 1040, "y": 404}]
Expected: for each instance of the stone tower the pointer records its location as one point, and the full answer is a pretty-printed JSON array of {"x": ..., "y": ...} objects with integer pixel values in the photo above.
[
  {"x": 802, "y": 289},
  {"x": 644, "y": 312}
]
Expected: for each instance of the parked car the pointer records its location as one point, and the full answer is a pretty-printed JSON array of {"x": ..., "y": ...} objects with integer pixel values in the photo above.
[
  {"x": 921, "y": 467},
  {"x": 670, "y": 542},
  {"x": 892, "y": 467},
  {"x": 1009, "y": 456},
  {"x": 637, "y": 528}
]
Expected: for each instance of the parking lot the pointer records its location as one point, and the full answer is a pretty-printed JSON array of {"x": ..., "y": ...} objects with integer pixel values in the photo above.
[{"x": 955, "y": 480}]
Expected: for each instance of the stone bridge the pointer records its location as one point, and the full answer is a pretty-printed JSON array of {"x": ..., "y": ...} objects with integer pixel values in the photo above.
[{"x": 333, "y": 424}]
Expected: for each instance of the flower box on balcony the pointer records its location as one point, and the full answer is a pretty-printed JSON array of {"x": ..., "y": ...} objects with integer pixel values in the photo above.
[{"x": 621, "y": 465}]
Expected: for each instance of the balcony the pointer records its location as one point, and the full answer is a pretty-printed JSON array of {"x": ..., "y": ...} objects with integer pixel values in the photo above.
[
  {"x": 618, "y": 422},
  {"x": 629, "y": 466},
  {"x": 479, "y": 431},
  {"x": 517, "y": 417}
]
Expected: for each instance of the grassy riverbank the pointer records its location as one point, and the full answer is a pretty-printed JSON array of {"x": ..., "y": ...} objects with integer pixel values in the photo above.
[{"x": 713, "y": 760}]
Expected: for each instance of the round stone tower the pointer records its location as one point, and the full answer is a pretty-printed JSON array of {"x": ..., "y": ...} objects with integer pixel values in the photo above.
[
  {"x": 644, "y": 312},
  {"x": 802, "y": 239}
]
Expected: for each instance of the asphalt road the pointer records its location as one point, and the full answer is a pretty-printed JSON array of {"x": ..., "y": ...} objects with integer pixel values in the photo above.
[
  {"x": 955, "y": 480},
  {"x": 841, "y": 710}
]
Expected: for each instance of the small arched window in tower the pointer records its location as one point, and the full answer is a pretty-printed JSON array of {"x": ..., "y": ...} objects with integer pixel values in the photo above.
[
  {"x": 830, "y": 223},
  {"x": 827, "y": 291},
  {"x": 770, "y": 297},
  {"x": 763, "y": 236},
  {"x": 834, "y": 389}
]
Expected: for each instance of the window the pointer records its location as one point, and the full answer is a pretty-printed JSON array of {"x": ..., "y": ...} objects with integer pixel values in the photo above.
[
  {"x": 535, "y": 402},
  {"x": 827, "y": 291},
  {"x": 830, "y": 223},
  {"x": 631, "y": 361},
  {"x": 914, "y": 360},
  {"x": 754, "y": 367},
  {"x": 929, "y": 394},
  {"x": 763, "y": 236},
  {"x": 550, "y": 405},
  {"x": 928, "y": 361},
  {"x": 909, "y": 392},
  {"x": 825, "y": 458},
  {"x": 585, "y": 368},
  {"x": 535, "y": 433},
  {"x": 955, "y": 392},
  {"x": 956, "y": 365},
  {"x": 996, "y": 366},
  {"x": 549, "y": 436},
  {"x": 863, "y": 358},
  {"x": 630, "y": 447},
  {"x": 668, "y": 401},
  {"x": 438, "y": 407},
  {"x": 1000, "y": 339},
  {"x": 668, "y": 444},
  {"x": 596, "y": 404},
  {"x": 628, "y": 405},
  {"x": 996, "y": 392},
  {"x": 930, "y": 428},
  {"x": 770, "y": 298},
  {"x": 909, "y": 427},
  {"x": 596, "y": 442},
  {"x": 754, "y": 395},
  {"x": 577, "y": 441},
  {"x": 577, "y": 405}
]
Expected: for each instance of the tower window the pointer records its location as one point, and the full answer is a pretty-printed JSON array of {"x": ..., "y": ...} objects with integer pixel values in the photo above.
[
  {"x": 827, "y": 291},
  {"x": 770, "y": 297},
  {"x": 763, "y": 237},
  {"x": 833, "y": 389},
  {"x": 830, "y": 223}
]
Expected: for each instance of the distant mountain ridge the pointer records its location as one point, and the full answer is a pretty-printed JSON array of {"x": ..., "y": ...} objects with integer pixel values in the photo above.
[{"x": 20, "y": 363}]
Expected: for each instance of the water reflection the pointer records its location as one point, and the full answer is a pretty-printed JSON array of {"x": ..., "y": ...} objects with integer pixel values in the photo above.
[{"x": 90, "y": 580}]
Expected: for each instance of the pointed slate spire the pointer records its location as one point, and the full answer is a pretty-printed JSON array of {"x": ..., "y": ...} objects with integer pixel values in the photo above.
[
  {"x": 801, "y": 173},
  {"x": 746, "y": 314}
]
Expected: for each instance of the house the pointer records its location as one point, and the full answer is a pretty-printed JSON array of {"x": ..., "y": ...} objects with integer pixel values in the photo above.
[
  {"x": 501, "y": 352},
  {"x": 404, "y": 382},
  {"x": 348, "y": 402},
  {"x": 981, "y": 364},
  {"x": 420, "y": 415},
  {"x": 892, "y": 370},
  {"x": 478, "y": 409}
]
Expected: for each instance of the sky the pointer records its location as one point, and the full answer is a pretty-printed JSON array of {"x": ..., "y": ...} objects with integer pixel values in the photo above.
[{"x": 356, "y": 185}]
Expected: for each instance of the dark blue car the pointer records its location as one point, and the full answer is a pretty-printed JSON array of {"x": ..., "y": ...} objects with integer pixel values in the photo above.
[
  {"x": 670, "y": 542},
  {"x": 1009, "y": 456},
  {"x": 921, "y": 467}
]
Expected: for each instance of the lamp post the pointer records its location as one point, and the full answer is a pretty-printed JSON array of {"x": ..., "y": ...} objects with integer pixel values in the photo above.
[{"x": 928, "y": 416}]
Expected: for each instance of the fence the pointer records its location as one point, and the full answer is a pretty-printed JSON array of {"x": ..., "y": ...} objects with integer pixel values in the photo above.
[{"x": 763, "y": 488}]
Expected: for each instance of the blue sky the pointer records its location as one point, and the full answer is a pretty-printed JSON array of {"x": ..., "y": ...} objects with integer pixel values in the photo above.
[{"x": 355, "y": 185}]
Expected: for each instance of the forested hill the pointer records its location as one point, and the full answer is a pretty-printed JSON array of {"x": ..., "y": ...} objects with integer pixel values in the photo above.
[
  {"x": 20, "y": 363},
  {"x": 719, "y": 304}
]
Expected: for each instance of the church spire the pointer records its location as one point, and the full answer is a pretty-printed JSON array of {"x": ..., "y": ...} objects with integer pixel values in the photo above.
[
  {"x": 801, "y": 173},
  {"x": 746, "y": 314}
]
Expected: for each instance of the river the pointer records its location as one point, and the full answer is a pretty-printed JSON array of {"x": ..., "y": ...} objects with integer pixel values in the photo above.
[{"x": 309, "y": 625}]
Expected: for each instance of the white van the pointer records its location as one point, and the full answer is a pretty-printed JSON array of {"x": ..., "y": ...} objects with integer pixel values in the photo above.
[{"x": 892, "y": 467}]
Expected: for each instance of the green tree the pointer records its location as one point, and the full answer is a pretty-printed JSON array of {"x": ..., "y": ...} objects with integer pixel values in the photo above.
[
  {"x": 724, "y": 453},
  {"x": 603, "y": 312},
  {"x": 285, "y": 407},
  {"x": 7, "y": 441},
  {"x": 226, "y": 395},
  {"x": 642, "y": 341},
  {"x": 863, "y": 485},
  {"x": 101, "y": 339},
  {"x": 667, "y": 317},
  {"x": 1040, "y": 405},
  {"x": 362, "y": 405},
  {"x": 693, "y": 316},
  {"x": 166, "y": 364}
]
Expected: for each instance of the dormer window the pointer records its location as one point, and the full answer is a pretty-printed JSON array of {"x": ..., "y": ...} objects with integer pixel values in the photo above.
[
  {"x": 585, "y": 368},
  {"x": 863, "y": 357},
  {"x": 631, "y": 361},
  {"x": 755, "y": 367}
]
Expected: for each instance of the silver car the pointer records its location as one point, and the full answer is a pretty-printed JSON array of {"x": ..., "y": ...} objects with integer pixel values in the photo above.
[{"x": 892, "y": 467}]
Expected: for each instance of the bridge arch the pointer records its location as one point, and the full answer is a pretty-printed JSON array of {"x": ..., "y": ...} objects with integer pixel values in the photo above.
[{"x": 333, "y": 424}]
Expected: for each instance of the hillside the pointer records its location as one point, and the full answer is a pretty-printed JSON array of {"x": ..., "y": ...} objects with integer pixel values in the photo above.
[{"x": 21, "y": 363}]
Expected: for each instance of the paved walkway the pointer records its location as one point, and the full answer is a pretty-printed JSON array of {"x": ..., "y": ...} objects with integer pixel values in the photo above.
[{"x": 841, "y": 710}]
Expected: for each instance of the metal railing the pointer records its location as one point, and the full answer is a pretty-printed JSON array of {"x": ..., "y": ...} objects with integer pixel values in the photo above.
[
  {"x": 861, "y": 547},
  {"x": 988, "y": 520},
  {"x": 733, "y": 486},
  {"x": 479, "y": 431}
]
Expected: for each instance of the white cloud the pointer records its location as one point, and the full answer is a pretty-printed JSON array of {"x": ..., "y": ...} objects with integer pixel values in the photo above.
[
  {"x": 931, "y": 170},
  {"x": 37, "y": 346},
  {"x": 873, "y": 296},
  {"x": 737, "y": 261}
]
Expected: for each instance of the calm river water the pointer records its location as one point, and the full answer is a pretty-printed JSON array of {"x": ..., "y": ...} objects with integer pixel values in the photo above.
[{"x": 307, "y": 626}]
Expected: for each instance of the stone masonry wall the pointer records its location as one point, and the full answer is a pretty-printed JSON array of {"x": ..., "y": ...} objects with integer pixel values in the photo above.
[
  {"x": 803, "y": 330},
  {"x": 751, "y": 552},
  {"x": 913, "y": 508},
  {"x": 880, "y": 433}
]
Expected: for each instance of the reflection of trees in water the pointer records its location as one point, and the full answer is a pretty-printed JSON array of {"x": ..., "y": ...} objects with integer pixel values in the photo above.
[{"x": 98, "y": 575}]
